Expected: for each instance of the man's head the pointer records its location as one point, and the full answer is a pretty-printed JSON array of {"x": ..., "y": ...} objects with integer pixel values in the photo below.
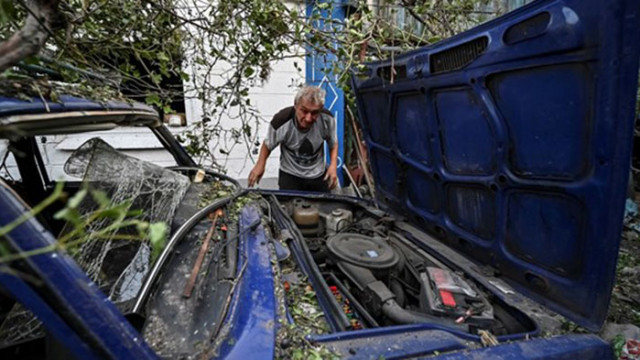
[{"x": 308, "y": 104}]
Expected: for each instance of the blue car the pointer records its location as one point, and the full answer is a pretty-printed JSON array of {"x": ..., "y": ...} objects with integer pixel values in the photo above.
[{"x": 500, "y": 159}]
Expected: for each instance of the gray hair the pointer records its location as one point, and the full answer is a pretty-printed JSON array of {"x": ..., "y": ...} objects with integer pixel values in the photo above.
[{"x": 313, "y": 94}]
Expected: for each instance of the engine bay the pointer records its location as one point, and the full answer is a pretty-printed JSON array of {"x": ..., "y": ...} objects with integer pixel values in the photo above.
[{"x": 377, "y": 276}]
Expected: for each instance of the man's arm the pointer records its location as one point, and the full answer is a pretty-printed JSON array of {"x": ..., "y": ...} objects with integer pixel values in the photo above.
[
  {"x": 258, "y": 170},
  {"x": 332, "y": 171}
]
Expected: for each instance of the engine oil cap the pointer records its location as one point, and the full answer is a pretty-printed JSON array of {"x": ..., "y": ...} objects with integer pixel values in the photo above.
[{"x": 362, "y": 250}]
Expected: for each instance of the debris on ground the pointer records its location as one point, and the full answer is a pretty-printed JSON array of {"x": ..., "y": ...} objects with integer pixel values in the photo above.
[
  {"x": 25, "y": 87},
  {"x": 628, "y": 331},
  {"x": 625, "y": 299},
  {"x": 216, "y": 191},
  {"x": 297, "y": 297},
  {"x": 630, "y": 350},
  {"x": 487, "y": 339},
  {"x": 622, "y": 328}
]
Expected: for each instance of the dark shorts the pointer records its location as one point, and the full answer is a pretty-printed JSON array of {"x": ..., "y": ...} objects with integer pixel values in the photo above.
[{"x": 291, "y": 182}]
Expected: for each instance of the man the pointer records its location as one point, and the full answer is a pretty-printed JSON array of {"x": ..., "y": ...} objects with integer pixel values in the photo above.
[{"x": 302, "y": 130}]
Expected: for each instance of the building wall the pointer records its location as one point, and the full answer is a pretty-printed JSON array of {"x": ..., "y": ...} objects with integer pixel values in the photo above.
[
  {"x": 267, "y": 98},
  {"x": 56, "y": 149}
]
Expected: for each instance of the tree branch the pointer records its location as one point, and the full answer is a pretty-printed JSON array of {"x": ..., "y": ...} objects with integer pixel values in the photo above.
[
  {"x": 43, "y": 17},
  {"x": 408, "y": 5}
]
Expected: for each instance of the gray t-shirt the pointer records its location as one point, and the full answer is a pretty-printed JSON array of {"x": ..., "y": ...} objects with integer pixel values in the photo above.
[{"x": 302, "y": 152}]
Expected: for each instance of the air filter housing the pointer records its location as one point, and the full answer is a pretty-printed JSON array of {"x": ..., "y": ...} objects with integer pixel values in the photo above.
[{"x": 361, "y": 250}]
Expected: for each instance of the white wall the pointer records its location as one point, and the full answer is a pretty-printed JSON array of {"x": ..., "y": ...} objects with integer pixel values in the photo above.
[
  {"x": 268, "y": 98},
  {"x": 56, "y": 149}
]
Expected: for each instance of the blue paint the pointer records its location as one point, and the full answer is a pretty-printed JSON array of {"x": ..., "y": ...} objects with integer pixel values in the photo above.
[
  {"x": 252, "y": 316},
  {"x": 52, "y": 321},
  {"x": 415, "y": 340},
  {"x": 551, "y": 119},
  {"x": 77, "y": 301},
  {"x": 409, "y": 126},
  {"x": 520, "y": 157},
  {"x": 13, "y": 106},
  {"x": 382, "y": 332},
  {"x": 396, "y": 345},
  {"x": 319, "y": 69},
  {"x": 584, "y": 347},
  {"x": 468, "y": 141}
]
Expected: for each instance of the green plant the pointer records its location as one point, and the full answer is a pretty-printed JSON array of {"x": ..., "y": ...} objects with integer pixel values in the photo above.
[
  {"x": 149, "y": 50},
  {"x": 118, "y": 216}
]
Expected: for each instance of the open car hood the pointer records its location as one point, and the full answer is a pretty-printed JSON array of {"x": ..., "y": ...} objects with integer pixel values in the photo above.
[{"x": 511, "y": 142}]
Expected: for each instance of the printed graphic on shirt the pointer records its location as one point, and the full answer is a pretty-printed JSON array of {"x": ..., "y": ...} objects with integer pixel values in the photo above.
[{"x": 306, "y": 154}]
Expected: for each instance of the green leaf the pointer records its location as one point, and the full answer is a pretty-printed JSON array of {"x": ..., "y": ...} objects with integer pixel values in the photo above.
[
  {"x": 142, "y": 228},
  {"x": 618, "y": 343},
  {"x": 31, "y": 60},
  {"x": 7, "y": 11},
  {"x": 157, "y": 238},
  {"x": 70, "y": 215},
  {"x": 153, "y": 99},
  {"x": 134, "y": 213},
  {"x": 101, "y": 198},
  {"x": 184, "y": 76},
  {"x": 77, "y": 199},
  {"x": 248, "y": 71},
  {"x": 162, "y": 56},
  {"x": 117, "y": 212},
  {"x": 4, "y": 250},
  {"x": 156, "y": 78}
]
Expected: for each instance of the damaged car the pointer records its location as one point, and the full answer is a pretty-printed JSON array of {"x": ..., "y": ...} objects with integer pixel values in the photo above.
[{"x": 500, "y": 158}]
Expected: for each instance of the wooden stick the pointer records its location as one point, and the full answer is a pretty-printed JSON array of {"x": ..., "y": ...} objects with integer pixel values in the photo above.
[
  {"x": 367, "y": 175},
  {"x": 188, "y": 289}
]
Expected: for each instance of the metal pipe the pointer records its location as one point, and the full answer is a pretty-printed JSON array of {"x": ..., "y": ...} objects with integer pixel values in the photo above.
[{"x": 355, "y": 187}]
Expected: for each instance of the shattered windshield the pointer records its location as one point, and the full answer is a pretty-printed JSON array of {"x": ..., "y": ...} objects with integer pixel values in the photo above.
[
  {"x": 118, "y": 267},
  {"x": 7, "y": 162}
]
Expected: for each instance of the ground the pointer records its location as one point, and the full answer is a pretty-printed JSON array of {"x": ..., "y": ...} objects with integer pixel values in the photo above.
[
  {"x": 623, "y": 321},
  {"x": 625, "y": 301}
]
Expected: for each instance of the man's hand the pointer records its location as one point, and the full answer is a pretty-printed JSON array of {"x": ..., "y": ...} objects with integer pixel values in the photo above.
[
  {"x": 332, "y": 171},
  {"x": 258, "y": 170},
  {"x": 332, "y": 176},
  {"x": 256, "y": 174}
]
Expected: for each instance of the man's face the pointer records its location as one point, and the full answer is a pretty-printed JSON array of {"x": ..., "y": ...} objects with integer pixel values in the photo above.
[{"x": 306, "y": 113}]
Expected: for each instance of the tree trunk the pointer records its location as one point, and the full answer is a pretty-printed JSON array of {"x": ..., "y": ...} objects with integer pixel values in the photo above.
[{"x": 43, "y": 17}]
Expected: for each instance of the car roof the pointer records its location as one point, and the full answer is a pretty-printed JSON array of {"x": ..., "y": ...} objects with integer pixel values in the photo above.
[{"x": 69, "y": 114}]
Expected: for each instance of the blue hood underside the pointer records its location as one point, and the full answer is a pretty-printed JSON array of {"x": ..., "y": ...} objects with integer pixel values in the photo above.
[{"x": 511, "y": 143}]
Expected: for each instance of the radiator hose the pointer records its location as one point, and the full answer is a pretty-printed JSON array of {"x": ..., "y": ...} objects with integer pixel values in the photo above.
[{"x": 398, "y": 315}]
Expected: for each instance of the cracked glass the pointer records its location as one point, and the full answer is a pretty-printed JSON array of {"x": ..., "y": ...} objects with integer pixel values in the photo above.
[{"x": 118, "y": 267}]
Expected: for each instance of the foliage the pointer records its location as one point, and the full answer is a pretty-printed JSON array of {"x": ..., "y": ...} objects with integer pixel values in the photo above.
[
  {"x": 299, "y": 299},
  {"x": 119, "y": 216},
  {"x": 148, "y": 49},
  {"x": 617, "y": 344}
]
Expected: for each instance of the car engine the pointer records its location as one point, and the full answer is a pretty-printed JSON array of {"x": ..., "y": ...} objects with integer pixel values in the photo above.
[{"x": 379, "y": 277}]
